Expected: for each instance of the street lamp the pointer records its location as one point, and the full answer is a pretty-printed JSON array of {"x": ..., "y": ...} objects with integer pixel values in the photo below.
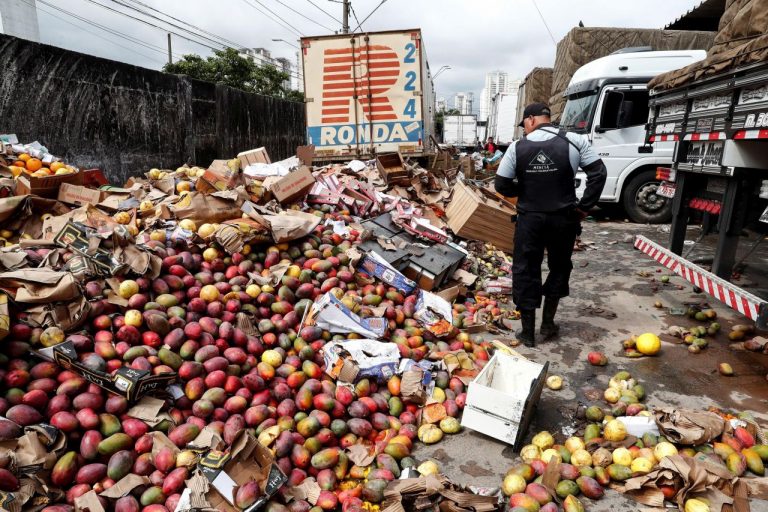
[
  {"x": 286, "y": 42},
  {"x": 440, "y": 71}
]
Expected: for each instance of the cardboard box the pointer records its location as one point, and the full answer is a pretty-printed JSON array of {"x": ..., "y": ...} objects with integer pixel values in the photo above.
[
  {"x": 253, "y": 156},
  {"x": 294, "y": 186},
  {"x": 79, "y": 195},
  {"x": 376, "y": 266},
  {"x": 247, "y": 459},
  {"x": 220, "y": 175},
  {"x": 476, "y": 214},
  {"x": 503, "y": 397},
  {"x": 330, "y": 314},
  {"x": 46, "y": 187},
  {"x": 306, "y": 154},
  {"x": 392, "y": 169},
  {"x": 127, "y": 382},
  {"x": 349, "y": 360}
]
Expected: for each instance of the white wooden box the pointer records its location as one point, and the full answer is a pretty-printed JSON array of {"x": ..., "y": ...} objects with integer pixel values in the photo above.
[{"x": 502, "y": 398}]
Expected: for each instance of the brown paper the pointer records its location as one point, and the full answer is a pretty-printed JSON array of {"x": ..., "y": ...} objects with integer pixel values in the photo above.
[
  {"x": 88, "y": 502},
  {"x": 207, "y": 439},
  {"x": 360, "y": 455},
  {"x": 411, "y": 387},
  {"x": 66, "y": 315},
  {"x": 125, "y": 485},
  {"x": 689, "y": 427},
  {"x": 291, "y": 225},
  {"x": 308, "y": 490},
  {"x": 202, "y": 208},
  {"x": 40, "y": 285},
  {"x": 30, "y": 452},
  {"x": 147, "y": 409},
  {"x": 161, "y": 441}
]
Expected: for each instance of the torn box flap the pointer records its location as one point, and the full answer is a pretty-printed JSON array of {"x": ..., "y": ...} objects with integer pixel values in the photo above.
[
  {"x": 291, "y": 225},
  {"x": 349, "y": 360},
  {"x": 40, "y": 285},
  {"x": 88, "y": 502},
  {"x": 374, "y": 265},
  {"x": 125, "y": 485},
  {"x": 435, "y": 313},
  {"x": 147, "y": 409},
  {"x": 66, "y": 315},
  {"x": 330, "y": 314},
  {"x": 160, "y": 441}
]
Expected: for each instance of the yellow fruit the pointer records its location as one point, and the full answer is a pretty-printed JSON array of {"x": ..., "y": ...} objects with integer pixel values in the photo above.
[
  {"x": 641, "y": 465},
  {"x": 428, "y": 468},
  {"x": 615, "y": 431},
  {"x": 122, "y": 217},
  {"x": 648, "y": 344},
  {"x": 574, "y": 444},
  {"x": 6, "y": 233},
  {"x": 612, "y": 395},
  {"x": 183, "y": 186},
  {"x": 145, "y": 206},
  {"x": 253, "y": 290},
  {"x": 272, "y": 358},
  {"x": 209, "y": 293},
  {"x": 295, "y": 271},
  {"x": 581, "y": 458},
  {"x": 133, "y": 317},
  {"x": 530, "y": 452},
  {"x": 664, "y": 449},
  {"x": 51, "y": 336},
  {"x": 543, "y": 440},
  {"x": 513, "y": 484},
  {"x": 157, "y": 235},
  {"x": 210, "y": 254},
  {"x": 554, "y": 382},
  {"x": 206, "y": 230},
  {"x": 548, "y": 454},
  {"x": 622, "y": 456},
  {"x": 188, "y": 224},
  {"x": 646, "y": 453},
  {"x": 438, "y": 395},
  {"x": 129, "y": 288},
  {"x": 696, "y": 505}
]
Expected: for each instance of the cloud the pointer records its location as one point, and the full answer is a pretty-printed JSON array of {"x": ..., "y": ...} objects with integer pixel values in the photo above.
[{"x": 472, "y": 36}]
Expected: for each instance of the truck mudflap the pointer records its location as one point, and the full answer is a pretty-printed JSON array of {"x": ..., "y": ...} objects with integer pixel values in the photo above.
[{"x": 749, "y": 305}]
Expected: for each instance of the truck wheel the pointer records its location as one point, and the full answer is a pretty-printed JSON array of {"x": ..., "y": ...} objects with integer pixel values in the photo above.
[{"x": 642, "y": 203}]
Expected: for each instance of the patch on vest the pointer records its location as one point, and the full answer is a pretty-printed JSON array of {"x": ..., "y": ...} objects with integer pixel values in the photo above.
[{"x": 541, "y": 163}]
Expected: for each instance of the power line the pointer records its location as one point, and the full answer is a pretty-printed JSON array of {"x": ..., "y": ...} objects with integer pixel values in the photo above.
[
  {"x": 337, "y": 20},
  {"x": 199, "y": 29},
  {"x": 544, "y": 21},
  {"x": 288, "y": 27},
  {"x": 106, "y": 29},
  {"x": 94, "y": 33},
  {"x": 371, "y": 14},
  {"x": 278, "y": 16},
  {"x": 303, "y": 16},
  {"x": 354, "y": 14},
  {"x": 153, "y": 25}
]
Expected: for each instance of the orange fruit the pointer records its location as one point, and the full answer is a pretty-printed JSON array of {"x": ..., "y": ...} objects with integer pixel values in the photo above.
[
  {"x": 34, "y": 164},
  {"x": 20, "y": 163},
  {"x": 24, "y": 157},
  {"x": 55, "y": 166}
]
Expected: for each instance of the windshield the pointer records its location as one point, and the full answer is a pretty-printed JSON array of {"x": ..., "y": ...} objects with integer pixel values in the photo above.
[{"x": 578, "y": 112}]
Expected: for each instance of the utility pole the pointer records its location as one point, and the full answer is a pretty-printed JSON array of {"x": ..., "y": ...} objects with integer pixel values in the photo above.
[
  {"x": 170, "y": 58},
  {"x": 345, "y": 18}
]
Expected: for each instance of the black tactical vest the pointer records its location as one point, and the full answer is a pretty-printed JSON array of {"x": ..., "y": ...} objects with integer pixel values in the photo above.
[{"x": 544, "y": 174}]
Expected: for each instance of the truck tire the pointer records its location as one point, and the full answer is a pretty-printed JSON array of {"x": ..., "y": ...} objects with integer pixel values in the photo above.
[{"x": 641, "y": 202}]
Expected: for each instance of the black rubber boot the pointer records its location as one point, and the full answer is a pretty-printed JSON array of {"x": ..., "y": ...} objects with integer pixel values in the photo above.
[
  {"x": 549, "y": 329},
  {"x": 527, "y": 334}
]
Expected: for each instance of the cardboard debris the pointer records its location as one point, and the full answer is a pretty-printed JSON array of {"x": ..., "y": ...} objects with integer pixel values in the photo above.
[
  {"x": 350, "y": 360},
  {"x": 689, "y": 427},
  {"x": 434, "y": 492},
  {"x": 376, "y": 266},
  {"x": 330, "y": 314},
  {"x": 435, "y": 313}
]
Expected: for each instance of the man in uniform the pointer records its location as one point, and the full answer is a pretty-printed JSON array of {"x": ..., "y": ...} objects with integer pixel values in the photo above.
[{"x": 539, "y": 170}]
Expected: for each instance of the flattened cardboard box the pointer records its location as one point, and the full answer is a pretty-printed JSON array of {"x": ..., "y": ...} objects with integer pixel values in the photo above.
[
  {"x": 246, "y": 460},
  {"x": 127, "y": 382},
  {"x": 253, "y": 156}
]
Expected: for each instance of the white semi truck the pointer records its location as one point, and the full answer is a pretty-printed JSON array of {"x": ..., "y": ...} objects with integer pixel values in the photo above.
[{"x": 607, "y": 100}]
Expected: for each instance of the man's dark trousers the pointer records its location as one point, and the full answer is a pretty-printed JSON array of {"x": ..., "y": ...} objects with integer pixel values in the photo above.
[{"x": 536, "y": 231}]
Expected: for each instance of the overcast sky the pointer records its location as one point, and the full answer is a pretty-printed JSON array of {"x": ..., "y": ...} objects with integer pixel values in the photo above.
[{"x": 472, "y": 36}]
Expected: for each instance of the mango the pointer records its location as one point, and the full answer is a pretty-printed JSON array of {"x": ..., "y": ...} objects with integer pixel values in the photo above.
[
  {"x": 722, "y": 450},
  {"x": 566, "y": 487},
  {"x": 152, "y": 495},
  {"x": 127, "y": 504},
  {"x": 590, "y": 487},
  {"x": 65, "y": 469},
  {"x": 119, "y": 464},
  {"x": 619, "y": 473},
  {"x": 174, "y": 481},
  {"x": 736, "y": 463},
  {"x": 572, "y": 504},
  {"x": 602, "y": 477},
  {"x": 539, "y": 493},
  {"x": 747, "y": 440},
  {"x": 184, "y": 434},
  {"x": 91, "y": 473},
  {"x": 325, "y": 459},
  {"x": 115, "y": 443},
  {"x": 592, "y": 431},
  {"x": 754, "y": 461},
  {"x": 373, "y": 490},
  {"x": 762, "y": 451},
  {"x": 525, "y": 502}
]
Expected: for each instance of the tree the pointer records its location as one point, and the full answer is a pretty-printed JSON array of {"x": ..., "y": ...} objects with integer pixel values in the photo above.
[{"x": 230, "y": 68}]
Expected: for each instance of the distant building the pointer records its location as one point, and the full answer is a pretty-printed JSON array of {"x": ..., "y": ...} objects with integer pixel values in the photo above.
[
  {"x": 441, "y": 105},
  {"x": 18, "y": 18},
  {"x": 463, "y": 102},
  {"x": 495, "y": 82},
  {"x": 263, "y": 57}
]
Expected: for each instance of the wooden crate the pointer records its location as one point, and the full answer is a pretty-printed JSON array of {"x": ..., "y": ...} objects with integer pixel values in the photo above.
[{"x": 475, "y": 215}]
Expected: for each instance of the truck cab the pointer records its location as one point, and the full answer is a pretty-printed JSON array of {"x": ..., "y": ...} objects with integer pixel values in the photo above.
[{"x": 607, "y": 100}]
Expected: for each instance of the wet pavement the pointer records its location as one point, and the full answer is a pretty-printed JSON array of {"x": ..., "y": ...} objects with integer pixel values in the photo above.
[{"x": 613, "y": 291}]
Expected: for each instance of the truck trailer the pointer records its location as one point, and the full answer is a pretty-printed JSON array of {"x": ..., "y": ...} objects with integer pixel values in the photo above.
[
  {"x": 368, "y": 93},
  {"x": 715, "y": 112},
  {"x": 460, "y": 131}
]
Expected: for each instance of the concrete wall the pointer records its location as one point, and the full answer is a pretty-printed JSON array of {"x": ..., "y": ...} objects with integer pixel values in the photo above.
[{"x": 98, "y": 113}]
